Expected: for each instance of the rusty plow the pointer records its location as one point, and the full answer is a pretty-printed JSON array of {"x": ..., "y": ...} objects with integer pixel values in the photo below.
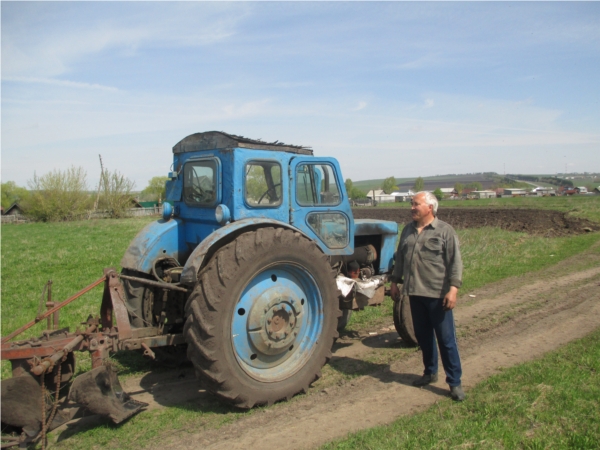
[{"x": 43, "y": 394}]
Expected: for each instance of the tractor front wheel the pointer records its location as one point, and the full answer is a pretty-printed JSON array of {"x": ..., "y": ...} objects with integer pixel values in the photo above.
[{"x": 262, "y": 320}]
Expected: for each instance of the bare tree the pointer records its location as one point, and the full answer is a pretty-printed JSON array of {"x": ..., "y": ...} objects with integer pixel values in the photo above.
[{"x": 115, "y": 195}]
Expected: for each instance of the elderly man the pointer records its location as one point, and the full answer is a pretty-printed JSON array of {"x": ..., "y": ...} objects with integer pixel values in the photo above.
[{"x": 429, "y": 266}]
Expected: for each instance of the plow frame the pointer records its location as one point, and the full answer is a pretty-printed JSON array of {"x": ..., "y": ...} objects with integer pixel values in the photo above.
[
  {"x": 100, "y": 337},
  {"x": 52, "y": 354}
]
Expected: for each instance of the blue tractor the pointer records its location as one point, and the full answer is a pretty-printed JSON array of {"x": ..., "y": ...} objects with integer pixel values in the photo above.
[
  {"x": 253, "y": 235},
  {"x": 253, "y": 268}
]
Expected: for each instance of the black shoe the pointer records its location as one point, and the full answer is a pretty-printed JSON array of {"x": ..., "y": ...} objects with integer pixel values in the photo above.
[
  {"x": 425, "y": 380},
  {"x": 457, "y": 393}
]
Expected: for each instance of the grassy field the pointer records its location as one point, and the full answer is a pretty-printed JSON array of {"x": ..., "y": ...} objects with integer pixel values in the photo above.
[
  {"x": 553, "y": 402},
  {"x": 74, "y": 254}
]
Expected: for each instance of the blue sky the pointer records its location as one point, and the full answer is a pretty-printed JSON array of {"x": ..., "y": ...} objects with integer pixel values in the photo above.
[{"x": 400, "y": 89}]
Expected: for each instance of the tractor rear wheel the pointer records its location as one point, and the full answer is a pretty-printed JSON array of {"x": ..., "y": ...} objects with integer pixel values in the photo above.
[
  {"x": 261, "y": 322},
  {"x": 403, "y": 321}
]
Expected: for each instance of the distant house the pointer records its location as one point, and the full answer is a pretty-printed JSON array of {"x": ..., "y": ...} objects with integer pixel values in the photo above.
[
  {"x": 403, "y": 196},
  {"x": 515, "y": 192},
  {"x": 377, "y": 195},
  {"x": 597, "y": 190},
  {"x": 581, "y": 190},
  {"x": 151, "y": 204},
  {"x": 13, "y": 210},
  {"x": 499, "y": 192},
  {"x": 484, "y": 194},
  {"x": 449, "y": 192},
  {"x": 544, "y": 191}
]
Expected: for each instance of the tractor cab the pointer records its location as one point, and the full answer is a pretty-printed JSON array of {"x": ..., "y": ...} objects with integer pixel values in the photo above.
[{"x": 220, "y": 178}]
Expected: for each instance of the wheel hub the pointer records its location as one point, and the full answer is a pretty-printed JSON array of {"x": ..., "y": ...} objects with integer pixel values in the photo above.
[{"x": 277, "y": 321}]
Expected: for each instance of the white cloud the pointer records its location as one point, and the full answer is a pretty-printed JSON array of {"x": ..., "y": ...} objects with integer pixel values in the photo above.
[
  {"x": 361, "y": 105},
  {"x": 428, "y": 103},
  {"x": 74, "y": 31},
  {"x": 63, "y": 83}
]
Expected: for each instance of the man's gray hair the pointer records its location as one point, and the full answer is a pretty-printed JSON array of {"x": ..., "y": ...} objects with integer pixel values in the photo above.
[{"x": 430, "y": 199}]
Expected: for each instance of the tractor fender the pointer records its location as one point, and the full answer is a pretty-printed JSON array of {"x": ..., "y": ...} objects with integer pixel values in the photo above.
[
  {"x": 222, "y": 236},
  {"x": 156, "y": 239}
]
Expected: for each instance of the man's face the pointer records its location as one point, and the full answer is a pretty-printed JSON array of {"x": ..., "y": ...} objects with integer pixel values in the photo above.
[{"x": 419, "y": 208}]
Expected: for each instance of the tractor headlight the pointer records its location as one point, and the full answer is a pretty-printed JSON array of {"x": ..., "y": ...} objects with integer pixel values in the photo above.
[
  {"x": 222, "y": 214},
  {"x": 167, "y": 211}
]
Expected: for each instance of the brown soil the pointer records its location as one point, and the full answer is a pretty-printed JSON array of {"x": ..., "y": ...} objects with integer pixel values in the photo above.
[{"x": 533, "y": 221}]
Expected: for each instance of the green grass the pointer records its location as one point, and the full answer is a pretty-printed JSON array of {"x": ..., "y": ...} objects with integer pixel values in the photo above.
[
  {"x": 74, "y": 254},
  {"x": 149, "y": 427},
  {"x": 553, "y": 403}
]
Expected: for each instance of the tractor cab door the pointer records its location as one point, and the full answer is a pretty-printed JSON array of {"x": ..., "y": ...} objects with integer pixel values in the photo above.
[{"x": 319, "y": 205}]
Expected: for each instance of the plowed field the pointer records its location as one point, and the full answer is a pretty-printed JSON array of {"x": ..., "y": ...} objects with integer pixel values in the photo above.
[{"x": 533, "y": 221}]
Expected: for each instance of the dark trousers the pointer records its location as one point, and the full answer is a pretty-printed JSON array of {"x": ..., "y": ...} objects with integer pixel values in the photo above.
[{"x": 430, "y": 322}]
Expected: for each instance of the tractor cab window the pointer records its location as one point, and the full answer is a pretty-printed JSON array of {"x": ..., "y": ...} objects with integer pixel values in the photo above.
[
  {"x": 199, "y": 182},
  {"x": 316, "y": 185},
  {"x": 263, "y": 184}
]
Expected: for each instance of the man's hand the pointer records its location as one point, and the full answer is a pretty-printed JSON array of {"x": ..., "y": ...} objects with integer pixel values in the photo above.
[
  {"x": 394, "y": 291},
  {"x": 450, "y": 298}
]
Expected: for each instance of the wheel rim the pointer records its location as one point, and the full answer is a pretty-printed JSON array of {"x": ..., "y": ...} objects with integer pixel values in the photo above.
[{"x": 277, "y": 322}]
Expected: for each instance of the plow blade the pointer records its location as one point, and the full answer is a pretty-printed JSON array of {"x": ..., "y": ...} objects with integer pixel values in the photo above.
[
  {"x": 101, "y": 393},
  {"x": 22, "y": 406}
]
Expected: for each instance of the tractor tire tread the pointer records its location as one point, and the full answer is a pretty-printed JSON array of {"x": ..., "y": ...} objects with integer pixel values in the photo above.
[{"x": 209, "y": 308}]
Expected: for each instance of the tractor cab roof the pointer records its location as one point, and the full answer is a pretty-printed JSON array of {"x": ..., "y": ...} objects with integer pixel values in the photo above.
[{"x": 214, "y": 140}]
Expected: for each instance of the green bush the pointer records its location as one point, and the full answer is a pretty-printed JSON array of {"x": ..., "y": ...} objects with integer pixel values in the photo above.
[{"x": 58, "y": 196}]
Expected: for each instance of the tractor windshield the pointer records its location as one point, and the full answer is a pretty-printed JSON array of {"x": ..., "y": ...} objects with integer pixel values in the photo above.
[
  {"x": 316, "y": 185},
  {"x": 263, "y": 184},
  {"x": 199, "y": 182}
]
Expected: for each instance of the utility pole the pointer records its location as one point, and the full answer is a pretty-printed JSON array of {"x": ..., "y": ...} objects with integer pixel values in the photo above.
[{"x": 99, "y": 183}]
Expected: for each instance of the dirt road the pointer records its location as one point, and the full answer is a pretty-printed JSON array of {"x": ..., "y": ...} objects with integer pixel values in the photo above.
[{"x": 506, "y": 323}]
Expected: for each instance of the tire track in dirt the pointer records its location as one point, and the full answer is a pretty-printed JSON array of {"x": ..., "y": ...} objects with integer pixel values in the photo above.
[{"x": 507, "y": 323}]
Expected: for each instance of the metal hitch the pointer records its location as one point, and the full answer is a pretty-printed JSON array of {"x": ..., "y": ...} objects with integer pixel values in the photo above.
[{"x": 100, "y": 391}]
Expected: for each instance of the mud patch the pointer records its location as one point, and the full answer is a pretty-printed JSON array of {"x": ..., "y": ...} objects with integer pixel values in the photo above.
[{"x": 537, "y": 222}]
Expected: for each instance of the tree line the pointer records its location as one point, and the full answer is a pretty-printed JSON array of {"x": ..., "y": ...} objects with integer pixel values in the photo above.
[{"x": 62, "y": 195}]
